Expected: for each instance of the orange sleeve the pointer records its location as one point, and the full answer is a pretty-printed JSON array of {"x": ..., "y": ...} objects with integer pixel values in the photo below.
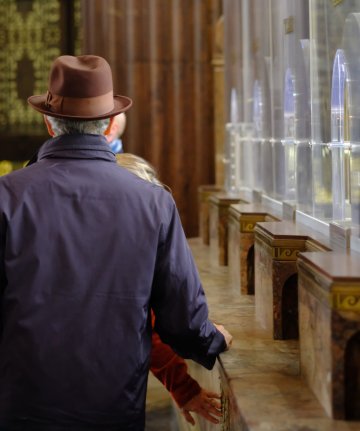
[{"x": 171, "y": 370}]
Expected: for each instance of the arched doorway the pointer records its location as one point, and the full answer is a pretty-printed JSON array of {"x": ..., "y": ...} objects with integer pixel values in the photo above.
[
  {"x": 250, "y": 271},
  {"x": 289, "y": 308},
  {"x": 352, "y": 378}
]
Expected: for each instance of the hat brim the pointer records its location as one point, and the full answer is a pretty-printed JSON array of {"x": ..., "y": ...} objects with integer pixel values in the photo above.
[{"x": 121, "y": 104}]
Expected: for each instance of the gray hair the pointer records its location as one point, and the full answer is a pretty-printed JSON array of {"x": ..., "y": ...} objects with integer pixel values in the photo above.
[{"x": 64, "y": 126}]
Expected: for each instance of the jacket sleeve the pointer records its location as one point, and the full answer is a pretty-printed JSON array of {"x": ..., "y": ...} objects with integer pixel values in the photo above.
[
  {"x": 171, "y": 370},
  {"x": 178, "y": 299}
]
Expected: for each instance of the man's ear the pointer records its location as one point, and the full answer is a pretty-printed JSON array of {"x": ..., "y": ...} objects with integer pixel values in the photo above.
[
  {"x": 48, "y": 126},
  {"x": 111, "y": 122}
]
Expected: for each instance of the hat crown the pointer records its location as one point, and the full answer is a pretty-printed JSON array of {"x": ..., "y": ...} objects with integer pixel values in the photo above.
[
  {"x": 82, "y": 76},
  {"x": 80, "y": 88}
]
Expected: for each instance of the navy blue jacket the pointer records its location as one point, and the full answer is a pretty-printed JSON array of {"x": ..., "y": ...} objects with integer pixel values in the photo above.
[{"x": 86, "y": 248}]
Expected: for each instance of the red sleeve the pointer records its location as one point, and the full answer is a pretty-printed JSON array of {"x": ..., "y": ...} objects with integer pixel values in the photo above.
[{"x": 171, "y": 370}]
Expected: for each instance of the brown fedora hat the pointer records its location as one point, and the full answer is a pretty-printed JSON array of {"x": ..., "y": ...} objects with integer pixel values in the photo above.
[{"x": 80, "y": 88}]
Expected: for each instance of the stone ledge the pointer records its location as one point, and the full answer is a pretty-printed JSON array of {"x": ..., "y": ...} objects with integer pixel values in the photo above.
[{"x": 260, "y": 375}]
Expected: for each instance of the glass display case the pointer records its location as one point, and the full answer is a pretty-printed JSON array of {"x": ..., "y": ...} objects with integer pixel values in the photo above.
[
  {"x": 296, "y": 132},
  {"x": 233, "y": 93},
  {"x": 279, "y": 13},
  {"x": 261, "y": 107},
  {"x": 260, "y": 133},
  {"x": 331, "y": 103},
  {"x": 233, "y": 58},
  {"x": 320, "y": 103},
  {"x": 304, "y": 182},
  {"x": 232, "y": 147},
  {"x": 294, "y": 77},
  {"x": 339, "y": 137},
  {"x": 351, "y": 50},
  {"x": 335, "y": 108},
  {"x": 246, "y": 161}
]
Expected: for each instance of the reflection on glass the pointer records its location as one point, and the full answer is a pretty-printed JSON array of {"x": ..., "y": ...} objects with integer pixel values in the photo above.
[
  {"x": 321, "y": 46},
  {"x": 355, "y": 183},
  {"x": 246, "y": 156},
  {"x": 259, "y": 127},
  {"x": 231, "y": 149},
  {"x": 304, "y": 192},
  {"x": 230, "y": 158},
  {"x": 289, "y": 135},
  {"x": 321, "y": 162},
  {"x": 304, "y": 181},
  {"x": 279, "y": 13},
  {"x": 338, "y": 147},
  {"x": 351, "y": 49}
]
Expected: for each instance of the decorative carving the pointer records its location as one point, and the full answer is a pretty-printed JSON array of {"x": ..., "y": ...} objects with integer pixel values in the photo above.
[
  {"x": 28, "y": 38},
  {"x": 346, "y": 299},
  {"x": 282, "y": 253},
  {"x": 247, "y": 226}
]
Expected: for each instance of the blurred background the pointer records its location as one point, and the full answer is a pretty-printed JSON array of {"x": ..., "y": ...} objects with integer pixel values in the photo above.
[{"x": 162, "y": 56}]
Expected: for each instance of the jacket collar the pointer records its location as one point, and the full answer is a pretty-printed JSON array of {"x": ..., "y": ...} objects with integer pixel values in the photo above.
[{"x": 77, "y": 147}]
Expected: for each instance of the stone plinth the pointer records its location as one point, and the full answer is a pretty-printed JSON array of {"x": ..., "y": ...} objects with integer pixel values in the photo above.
[
  {"x": 204, "y": 192},
  {"x": 219, "y": 204},
  {"x": 241, "y": 224},
  {"x": 329, "y": 318},
  {"x": 260, "y": 381},
  {"x": 277, "y": 245}
]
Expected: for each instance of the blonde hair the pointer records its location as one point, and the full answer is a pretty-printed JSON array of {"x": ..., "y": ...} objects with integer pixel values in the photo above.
[{"x": 140, "y": 167}]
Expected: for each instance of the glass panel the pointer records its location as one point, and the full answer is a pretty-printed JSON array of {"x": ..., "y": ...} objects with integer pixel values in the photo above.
[
  {"x": 338, "y": 147},
  {"x": 233, "y": 57},
  {"x": 331, "y": 167},
  {"x": 289, "y": 135},
  {"x": 246, "y": 161},
  {"x": 233, "y": 92},
  {"x": 261, "y": 113},
  {"x": 279, "y": 13},
  {"x": 246, "y": 156},
  {"x": 296, "y": 132},
  {"x": 302, "y": 129},
  {"x": 351, "y": 129},
  {"x": 289, "y": 96},
  {"x": 258, "y": 132},
  {"x": 230, "y": 158}
]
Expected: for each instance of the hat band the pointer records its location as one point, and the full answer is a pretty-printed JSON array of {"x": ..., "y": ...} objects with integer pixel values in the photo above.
[{"x": 80, "y": 107}]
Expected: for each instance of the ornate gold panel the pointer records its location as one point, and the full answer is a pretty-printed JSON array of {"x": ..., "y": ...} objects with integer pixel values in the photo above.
[
  {"x": 32, "y": 34},
  {"x": 247, "y": 226},
  {"x": 346, "y": 298},
  {"x": 247, "y": 223},
  {"x": 29, "y": 41},
  {"x": 284, "y": 253}
]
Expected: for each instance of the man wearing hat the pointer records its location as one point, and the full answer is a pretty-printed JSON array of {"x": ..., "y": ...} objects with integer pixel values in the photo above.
[{"x": 86, "y": 249}]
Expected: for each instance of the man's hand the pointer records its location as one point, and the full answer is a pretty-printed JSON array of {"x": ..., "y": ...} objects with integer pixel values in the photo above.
[
  {"x": 205, "y": 404},
  {"x": 228, "y": 337}
]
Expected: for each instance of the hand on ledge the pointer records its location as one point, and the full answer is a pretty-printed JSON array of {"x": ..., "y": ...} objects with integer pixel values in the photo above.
[
  {"x": 228, "y": 337},
  {"x": 205, "y": 404}
]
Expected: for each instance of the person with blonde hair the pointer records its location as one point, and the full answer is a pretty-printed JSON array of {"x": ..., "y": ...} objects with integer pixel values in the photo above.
[
  {"x": 140, "y": 167},
  {"x": 165, "y": 364}
]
